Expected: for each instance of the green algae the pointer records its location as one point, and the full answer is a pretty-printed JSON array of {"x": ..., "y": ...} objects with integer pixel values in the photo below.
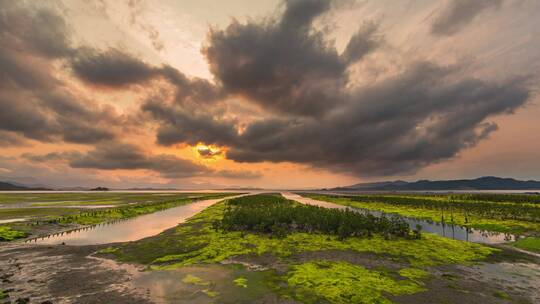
[
  {"x": 9, "y": 234},
  {"x": 501, "y": 295},
  {"x": 191, "y": 279},
  {"x": 456, "y": 217},
  {"x": 196, "y": 242},
  {"x": 108, "y": 250},
  {"x": 414, "y": 274},
  {"x": 340, "y": 282},
  {"x": 530, "y": 244},
  {"x": 210, "y": 293},
  {"x": 241, "y": 281}
]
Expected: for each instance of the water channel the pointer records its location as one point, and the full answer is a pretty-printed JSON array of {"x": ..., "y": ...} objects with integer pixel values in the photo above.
[{"x": 443, "y": 229}]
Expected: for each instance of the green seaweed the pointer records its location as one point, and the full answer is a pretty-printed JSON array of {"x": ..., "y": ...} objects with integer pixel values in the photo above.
[
  {"x": 501, "y": 295},
  {"x": 9, "y": 234},
  {"x": 210, "y": 293},
  {"x": 191, "y": 279},
  {"x": 196, "y": 241},
  {"x": 530, "y": 244},
  {"x": 241, "y": 281},
  {"x": 108, "y": 250},
  {"x": 340, "y": 282}
]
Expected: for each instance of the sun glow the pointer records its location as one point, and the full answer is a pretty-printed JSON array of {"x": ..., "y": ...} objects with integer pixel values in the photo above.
[{"x": 209, "y": 152}]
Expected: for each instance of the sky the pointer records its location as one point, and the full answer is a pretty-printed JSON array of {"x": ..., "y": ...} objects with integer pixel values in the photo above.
[{"x": 273, "y": 94}]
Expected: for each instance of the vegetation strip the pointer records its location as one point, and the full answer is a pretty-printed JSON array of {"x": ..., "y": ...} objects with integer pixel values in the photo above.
[{"x": 499, "y": 215}]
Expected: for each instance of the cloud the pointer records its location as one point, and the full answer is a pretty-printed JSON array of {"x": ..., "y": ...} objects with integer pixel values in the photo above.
[
  {"x": 117, "y": 69},
  {"x": 112, "y": 68},
  {"x": 238, "y": 174},
  {"x": 397, "y": 126},
  {"x": 192, "y": 127},
  {"x": 457, "y": 14},
  {"x": 425, "y": 114},
  {"x": 125, "y": 156},
  {"x": 362, "y": 43},
  {"x": 11, "y": 139},
  {"x": 121, "y": 156},
  {"x": 35, "y": 103},
  {"x": 307, "y": 105},
  {"x": 135, "y": 11},
  {"x": 283, "y": 65}
]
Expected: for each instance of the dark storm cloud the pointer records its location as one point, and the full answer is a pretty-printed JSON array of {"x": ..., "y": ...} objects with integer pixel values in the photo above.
[
  {"x": 116, "y": 69},
  {"x": 310, "y": 110},
  {"x": 40, "y": 31},
  {"x": 112, "y": 68},
  {"x": 124, "y": 156},
  {"x": 178, "y": 125},
  {"x": 284, "y": 65},
  {"x": 114, "y": 156},
  {"x": 414, "y": 119},
  {"x": 459, "y": 13},
  {"x": 426, "y": 114},
  {"x": 34, "y": 103}
]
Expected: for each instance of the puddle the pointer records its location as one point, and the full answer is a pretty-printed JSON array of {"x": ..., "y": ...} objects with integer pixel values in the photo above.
[
  {"x": 197, "y": 284},
  {"x": 446, "y": 230},
  {"x": 127, "y": 230}
]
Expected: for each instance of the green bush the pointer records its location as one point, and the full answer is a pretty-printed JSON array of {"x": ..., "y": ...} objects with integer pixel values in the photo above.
[{"x": 278, "y": 216}]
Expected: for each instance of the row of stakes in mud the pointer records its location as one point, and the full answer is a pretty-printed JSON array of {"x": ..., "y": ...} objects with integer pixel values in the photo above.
[
  {"x": 74, "y": 230},
  {"x": 77, "y": 229}
]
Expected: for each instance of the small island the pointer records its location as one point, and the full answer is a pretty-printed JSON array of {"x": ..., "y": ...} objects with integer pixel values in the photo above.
[{"x": 100, "y": 189}]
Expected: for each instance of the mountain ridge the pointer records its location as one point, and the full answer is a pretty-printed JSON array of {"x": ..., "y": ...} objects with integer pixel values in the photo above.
[
  {"x": 481, "y": 183},
  {"x": 10, "y": 186}
]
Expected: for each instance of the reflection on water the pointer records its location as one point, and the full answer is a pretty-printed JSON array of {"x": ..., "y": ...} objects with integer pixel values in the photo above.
[
  {"x": 129, "y": 229},
  {"x": 12, "y": 220},
  {"x": 443, "y": 229}
]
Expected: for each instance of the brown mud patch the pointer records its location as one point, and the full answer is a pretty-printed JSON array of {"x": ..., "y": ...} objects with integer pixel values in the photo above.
[
  {"x": 61, "y": 274},
  {"x": 458, "y": 284}
]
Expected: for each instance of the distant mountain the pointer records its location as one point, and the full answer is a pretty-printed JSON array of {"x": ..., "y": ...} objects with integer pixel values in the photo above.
[
  {"x": 482, "y": 183},
  {"x": 24, "y": 181},
  {"x": 8, "y": 186}
]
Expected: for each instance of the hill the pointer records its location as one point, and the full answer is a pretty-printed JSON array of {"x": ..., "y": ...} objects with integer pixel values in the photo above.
[
  {"x": 7, "y": 186},
  {"x": 482, "y": 183}
]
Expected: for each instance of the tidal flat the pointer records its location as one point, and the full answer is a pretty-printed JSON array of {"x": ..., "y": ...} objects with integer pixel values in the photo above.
[{"x": 283, "y": 252}]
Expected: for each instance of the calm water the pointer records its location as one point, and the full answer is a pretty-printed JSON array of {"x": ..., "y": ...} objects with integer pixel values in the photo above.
[
  {"x": 128, "y": 230},
  {"x": 450, "y": 231}
]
